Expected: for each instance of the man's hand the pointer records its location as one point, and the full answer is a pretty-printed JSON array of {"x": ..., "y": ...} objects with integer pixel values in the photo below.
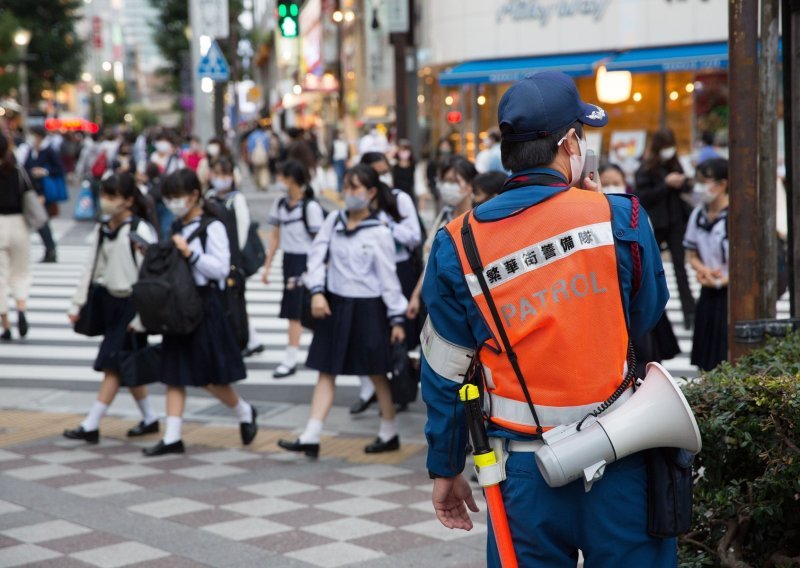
[
  {"x": 451, "y": 497},
  {"x": 590, "y": 185}
]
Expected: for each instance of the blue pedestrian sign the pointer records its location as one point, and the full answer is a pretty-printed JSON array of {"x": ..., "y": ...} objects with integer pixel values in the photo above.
[{"x": 213, "y": 65}]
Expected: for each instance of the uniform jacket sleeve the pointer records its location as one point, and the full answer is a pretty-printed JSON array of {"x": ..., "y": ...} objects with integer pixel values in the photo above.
[
  {"x": 242, "y": 212},
  {"x": 316, "y": 269},
  {"x": 315, "y": 216},
  {"x": 391, "y": 292},
  {"x": 407, "y": 232},
  {"x": 214, "y": 263},
  {"x": 456, "y": 319}
]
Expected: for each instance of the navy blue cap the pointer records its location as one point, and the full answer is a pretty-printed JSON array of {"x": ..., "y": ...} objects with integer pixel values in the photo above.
[{"x": 542, "y": 104}]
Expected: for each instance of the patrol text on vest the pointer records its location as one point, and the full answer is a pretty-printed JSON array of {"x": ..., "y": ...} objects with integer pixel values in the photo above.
[{"x": 563, "y": 290}]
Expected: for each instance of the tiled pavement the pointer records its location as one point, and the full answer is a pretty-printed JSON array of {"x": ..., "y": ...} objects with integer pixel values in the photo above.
[{"x": 67, "y": 504}]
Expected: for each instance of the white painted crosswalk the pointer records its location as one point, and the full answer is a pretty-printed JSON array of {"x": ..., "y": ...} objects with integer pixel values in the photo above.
[{"x": 53, "y": 352}]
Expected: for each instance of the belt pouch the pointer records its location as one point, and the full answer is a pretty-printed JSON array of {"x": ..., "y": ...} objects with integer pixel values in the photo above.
[{"x": 669, "y": 491}]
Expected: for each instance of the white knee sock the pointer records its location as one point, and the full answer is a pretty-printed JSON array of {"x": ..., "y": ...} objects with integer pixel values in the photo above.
[
  {"x": 367, "y": 388},
  {"x": 312, "y": 433},
  {"x": 244, "y": 411},
  {"x": 388, "y": 430},
  {"x": 92, "y": 420},
  {"x": 291, "y": 356},
  {"x": 148, "y": 416},
  {"x": 172, "y": 433},
  {"x": 253, "y": 340}
]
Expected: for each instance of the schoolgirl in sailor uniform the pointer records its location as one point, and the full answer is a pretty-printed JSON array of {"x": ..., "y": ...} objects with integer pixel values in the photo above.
[
  {"x": 296, "y": 219},
  {"x": 357, "y": 297},
  {"x": 402, "y": 219},
  {"x": 208, "y": 357},
  {"x": 114, "y": 267},
  {"x": 706, "y": 243}
]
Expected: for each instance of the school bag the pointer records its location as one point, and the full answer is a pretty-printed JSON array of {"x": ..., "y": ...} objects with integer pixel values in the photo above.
[
  {"x": 234, "y": 302},
  {"x": 100, "y": 165},
  {"x": 165, "y": 296},
  {"x": 252, "y": 254}
]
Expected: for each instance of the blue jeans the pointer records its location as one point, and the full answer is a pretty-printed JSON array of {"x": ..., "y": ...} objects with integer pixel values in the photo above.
[
  {"x": 608, "y": 524},
  {"x": 340, "y": 166}
]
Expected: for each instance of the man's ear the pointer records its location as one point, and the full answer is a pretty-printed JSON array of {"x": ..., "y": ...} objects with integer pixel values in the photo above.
[{"x": 571, "y": 143}]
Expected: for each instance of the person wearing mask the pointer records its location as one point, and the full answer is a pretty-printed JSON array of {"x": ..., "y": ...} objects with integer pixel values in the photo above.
[
  {"x": 538, "y": 235},
  {"x": 488, "y": 159},
  {"x": 15, "y": 246},
  {"x": 193, "y": 154},
  {"x": 216, "y": 150},
  {"x": 407, "y": 233},
  {"x": 612, "y": 179},
  {"x": 357, "y": 297},
  {"x": 167, "y": 159},
  {"x": 258, "y": 145},
  {"x": 340, "y": 153},
  {"x": 404, "y": 171},
  {"x": 296, "y": 219},
  {"x": 662, "y": 186},
  {"x": 444, "y": 151},
  {"x": 114, "y": 267},
  {"x": 208, "y": 357},
  {"x": 373, "y": 141},
  {"x": 42, "y": 162},
  {"x": 707, "y": 246}
]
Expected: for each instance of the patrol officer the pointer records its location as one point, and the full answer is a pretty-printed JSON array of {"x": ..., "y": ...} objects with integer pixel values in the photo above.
[{"x": 564, "y": 277}]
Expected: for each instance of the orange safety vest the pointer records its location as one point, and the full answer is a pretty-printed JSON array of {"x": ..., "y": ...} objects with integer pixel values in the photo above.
[{"x": 552, "y": 273}]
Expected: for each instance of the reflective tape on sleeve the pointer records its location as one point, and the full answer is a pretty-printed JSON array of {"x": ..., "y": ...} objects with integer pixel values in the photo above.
[{"x": 447, "y": 359}]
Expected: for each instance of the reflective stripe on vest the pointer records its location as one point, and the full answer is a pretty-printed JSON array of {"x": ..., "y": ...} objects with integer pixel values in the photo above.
[
  {"x": 449, "y": 360},
  {"x": 553, "y": 276}
]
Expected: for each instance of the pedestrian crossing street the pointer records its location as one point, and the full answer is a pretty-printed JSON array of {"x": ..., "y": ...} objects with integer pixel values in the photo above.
[{"x": 53, "y": 352}]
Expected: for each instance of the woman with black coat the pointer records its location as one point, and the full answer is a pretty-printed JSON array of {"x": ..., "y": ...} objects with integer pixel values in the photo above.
[{"x": 661, "y": 186}]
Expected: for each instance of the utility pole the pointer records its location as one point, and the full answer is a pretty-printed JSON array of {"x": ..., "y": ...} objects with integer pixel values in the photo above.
[
  {"x": 743, "y": 290},
  {"x": 402, "y": 17},
  {"x": 791, "y": 125},
  {"x": 768, "y": 157}
]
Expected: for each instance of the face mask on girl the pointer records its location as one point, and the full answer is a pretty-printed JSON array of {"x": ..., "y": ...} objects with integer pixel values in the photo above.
[
  {"x": 178, "y": 206},
  {"x": 704, "y": 192},
  {"x": 667, "y": 154},
  {"x": 356, "y": 202},
  {"x": 163, "y": 147},
  {"x": 404, "y": 155},
  {"x": 213, "y": 150},
  {"x": 111, "y": 207},
  {"x": 451, "y": 193},
  {"x": 222, "y": 184},
  {"x": 613, "y": 189}
]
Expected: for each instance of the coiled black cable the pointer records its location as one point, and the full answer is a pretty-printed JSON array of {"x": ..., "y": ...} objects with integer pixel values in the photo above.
[{"x": 627, "y": 381}]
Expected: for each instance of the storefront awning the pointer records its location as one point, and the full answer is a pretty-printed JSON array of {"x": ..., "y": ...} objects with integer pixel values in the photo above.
[
  {"x": 510, "y": 70},
  {"x": 674, "y": 58}
]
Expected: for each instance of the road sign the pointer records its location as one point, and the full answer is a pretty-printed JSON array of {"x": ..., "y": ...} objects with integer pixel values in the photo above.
[
  {"x": 213, "y": 18},
  {"x": 213, "y": 65}
]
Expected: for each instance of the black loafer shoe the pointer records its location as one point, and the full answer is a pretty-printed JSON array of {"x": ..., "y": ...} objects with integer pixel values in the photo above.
[
  {"x": 143, "y": 429},
  {"x": 161, "y": 449},
  {"x": 248, "y": 430},
  {"x": 91, "y": 437},
  {"x": 311, "y": 450},
  {"x": 249, "y": 352},
  {"x": 49, "y": 257},
  {"x": 379, "y": 446},
  {"x": 22, "y": 324},
  {"x": 6, "y": 335},
  {"x": 283, "y": 371},
  {"x": 360, "y": 405}
]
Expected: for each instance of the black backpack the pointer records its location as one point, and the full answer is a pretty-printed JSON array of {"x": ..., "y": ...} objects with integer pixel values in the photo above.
[
  {"x": 235, "y": 304},
  {"x": 165, "y": 296},
  {"x": 252, "y": 254},
  {"x": 306, "y": 201}
]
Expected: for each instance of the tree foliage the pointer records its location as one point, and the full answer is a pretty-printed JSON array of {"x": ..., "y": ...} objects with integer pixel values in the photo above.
[
  {"x": 169, "y": 33},
  {"x": 747, "y": 499},
  {"x": 55, "y": 52}
]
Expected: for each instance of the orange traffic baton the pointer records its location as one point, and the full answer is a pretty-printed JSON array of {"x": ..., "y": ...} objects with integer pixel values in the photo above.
[{"x": 485, "y": 458}]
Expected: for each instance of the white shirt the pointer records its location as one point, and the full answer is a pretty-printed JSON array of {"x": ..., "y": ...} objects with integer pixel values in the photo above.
[
  {"x": 214, "y": 262},
  {"x": 341, "y": 150},
  {"x": 294, "y": 238},
  {"x": 407, "y": 232},
  {"x": 709, "y": 238},
  {"x": 117, "y": 267},
  {"x": 235, "y": 201},
  {"x": 360, "y": 263}
]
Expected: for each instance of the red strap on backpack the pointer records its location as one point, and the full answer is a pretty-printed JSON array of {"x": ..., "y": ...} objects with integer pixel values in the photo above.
[{"x": 636, "y": 253}]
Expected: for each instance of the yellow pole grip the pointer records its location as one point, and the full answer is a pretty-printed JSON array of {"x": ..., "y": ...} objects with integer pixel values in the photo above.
[{"x": 469, "y": 392}]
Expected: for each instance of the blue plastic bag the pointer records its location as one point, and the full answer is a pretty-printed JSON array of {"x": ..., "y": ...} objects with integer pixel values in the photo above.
[
  {"x": 84, "y": 206},
  {"x": 55, "y": 189}
]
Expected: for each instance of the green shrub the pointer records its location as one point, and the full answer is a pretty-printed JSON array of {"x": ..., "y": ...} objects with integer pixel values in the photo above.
[{"x": 747, "y": 495}]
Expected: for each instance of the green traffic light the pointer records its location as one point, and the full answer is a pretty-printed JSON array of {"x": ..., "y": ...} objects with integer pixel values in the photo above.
[
  {"x": 282, "y": 10},
  {"x": 293, "y": 10}
]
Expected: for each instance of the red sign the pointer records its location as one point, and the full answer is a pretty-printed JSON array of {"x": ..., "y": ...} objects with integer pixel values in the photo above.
[
  {"x": 97, "y": 32},
  {"x": 71, "y": 124},
  {"x": 453, "y": 117}
]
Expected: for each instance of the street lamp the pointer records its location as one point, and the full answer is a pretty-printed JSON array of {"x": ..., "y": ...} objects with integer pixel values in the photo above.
[{"x": 22, "y": 38}]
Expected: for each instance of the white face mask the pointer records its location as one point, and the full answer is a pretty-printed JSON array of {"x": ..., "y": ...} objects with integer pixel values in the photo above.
[
  {"x": 213, "y": 150},
  {"x": 111, "y": 207},
  {"x": 222, "y": 184},
  {"x": 163, "y": 147},
  {"x": 178, "y": 206},
  {"x": 704, "y": 192},
  {"x": 451, "y": 193},
  {"x": 282, "y": 187},
  {"x": 667, "y": 153},
  {"x": 576, "y": 162},
  {"x": 613, "y": 189},
  {"x": 356, "y": 202}
]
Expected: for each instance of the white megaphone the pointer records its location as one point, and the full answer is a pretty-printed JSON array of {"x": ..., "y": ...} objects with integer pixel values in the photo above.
[{"x": 656, "y": 416}]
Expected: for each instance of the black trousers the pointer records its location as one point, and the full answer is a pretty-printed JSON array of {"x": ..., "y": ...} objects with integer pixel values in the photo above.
[
  {"x": 673, "y": 237},
  {"x": 47, "y": 238}
]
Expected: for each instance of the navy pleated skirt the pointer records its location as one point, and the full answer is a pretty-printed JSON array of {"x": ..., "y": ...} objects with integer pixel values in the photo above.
[
  {"x": 207, "y": 356},
  {"x": 294, "y": 265},
  {"x": 117, "y": 314},
  {"x": 355, "y": 340},
  {"x": 408, "y": 276},
  {"x": 710, "y": 342}
]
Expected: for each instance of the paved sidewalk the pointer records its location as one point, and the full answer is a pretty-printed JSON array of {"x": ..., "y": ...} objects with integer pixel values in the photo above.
[{"x": 68, "y": 504}]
